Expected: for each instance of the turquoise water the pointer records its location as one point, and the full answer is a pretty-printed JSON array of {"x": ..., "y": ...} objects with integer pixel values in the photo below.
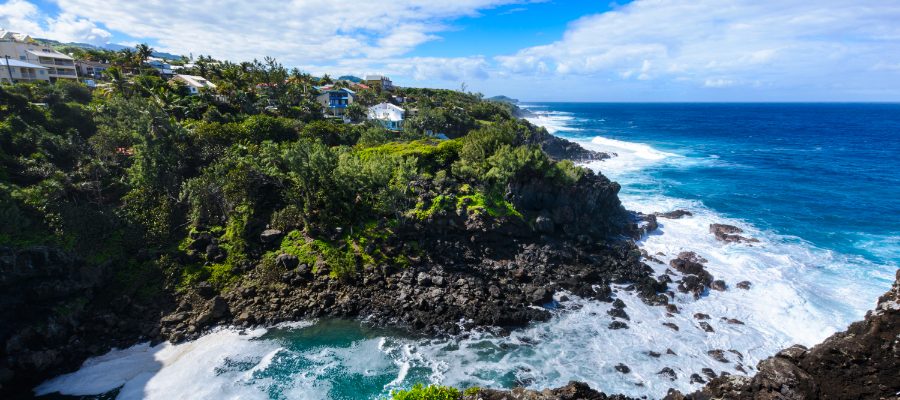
[{"x": 817, "y": 184}]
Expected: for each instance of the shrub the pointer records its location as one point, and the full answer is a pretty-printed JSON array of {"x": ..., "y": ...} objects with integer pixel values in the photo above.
[
  {"x": 430, "y": 392},
  {"x": 263, "y": 127}
]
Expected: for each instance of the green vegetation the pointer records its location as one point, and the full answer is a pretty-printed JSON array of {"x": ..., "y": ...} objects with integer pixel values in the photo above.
[
  {"x": 138, "y": 166},
  {"x": 431, "y": 392}
]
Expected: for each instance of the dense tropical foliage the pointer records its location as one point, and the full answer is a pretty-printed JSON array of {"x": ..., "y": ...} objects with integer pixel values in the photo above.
[{"x": 138, "y": 171}]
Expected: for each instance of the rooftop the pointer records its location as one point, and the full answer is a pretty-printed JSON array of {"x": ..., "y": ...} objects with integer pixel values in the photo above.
[{"x": 16, "y": 63}]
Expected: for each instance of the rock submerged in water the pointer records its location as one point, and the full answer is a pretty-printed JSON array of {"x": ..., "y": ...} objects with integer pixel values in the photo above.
[
  {"x": 668, "y": 373},
  {"x": 618, "y": 325},
  {"x": 718, "y": 285},
  {"x": 729, "y": 234},
  {"x": 696, "y": 279},
  {"x": 676, "y": 214}
]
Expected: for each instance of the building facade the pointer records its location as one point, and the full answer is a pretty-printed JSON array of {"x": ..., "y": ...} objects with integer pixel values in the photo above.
[
  {"x": 382, "y": 80},
  {"x": 21, "y": 47},
  {"x": 336, "y": 101},
  {"x": 15, "y": 71},
  {"x": 90, "y": 69}
]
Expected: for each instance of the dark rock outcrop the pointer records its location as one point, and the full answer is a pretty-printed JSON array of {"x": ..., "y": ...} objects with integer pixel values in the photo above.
[
  {"x": 57, "y": 309},
  {"x": 862, "y": 362},
  {"x": 696, "y": 279},
  {"x": 562, "y": 149},
  {"x": 729, "y": 234},
  {"x": 676, "y": 214},
  {"x": 572, "y": 391}
]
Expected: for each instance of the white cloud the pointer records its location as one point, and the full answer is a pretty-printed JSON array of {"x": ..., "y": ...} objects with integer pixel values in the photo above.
[
  {"x": 723, "y": 43},
  {"x": 657, "y": 49},
  {"x": 297, "y": 32},
  {"x": 22, "y": 16},
  {"x": 19, "y": 15}
]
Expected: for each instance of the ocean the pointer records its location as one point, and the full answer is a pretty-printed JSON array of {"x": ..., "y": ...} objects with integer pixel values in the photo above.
[{"x": 816, "y": 184}]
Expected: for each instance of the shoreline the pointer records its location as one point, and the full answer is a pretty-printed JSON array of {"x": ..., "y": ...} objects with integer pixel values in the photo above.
[{"x": 648, "y": 257}]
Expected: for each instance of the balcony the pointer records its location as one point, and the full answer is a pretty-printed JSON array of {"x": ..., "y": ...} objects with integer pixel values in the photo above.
[{"x": 65, "y": 72}]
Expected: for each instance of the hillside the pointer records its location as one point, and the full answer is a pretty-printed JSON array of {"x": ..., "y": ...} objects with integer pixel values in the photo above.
[{"x": 138, "y": 212}]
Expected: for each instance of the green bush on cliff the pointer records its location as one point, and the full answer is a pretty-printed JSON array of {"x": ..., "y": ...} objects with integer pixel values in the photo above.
[{"x": 430, "y": 392}]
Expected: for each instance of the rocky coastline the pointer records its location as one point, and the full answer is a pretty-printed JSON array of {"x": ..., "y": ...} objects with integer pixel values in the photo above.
[
  {"x": 862, "y": 362},
  {"x": 473, "y": 271}
]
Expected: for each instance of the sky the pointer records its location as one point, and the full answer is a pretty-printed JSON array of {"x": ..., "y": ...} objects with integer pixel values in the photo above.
[{"x": 533, "y": 50}]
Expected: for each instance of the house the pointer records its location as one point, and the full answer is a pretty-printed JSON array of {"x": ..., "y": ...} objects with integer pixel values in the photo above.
[
  {"x": 91, "y": 69},
  {"x": 382, "y": 80},
  {"x": 388, "y": 115},
  {"x": 13, "y": 71},
  {"x": 21, "y": 47},
  {"x": 335, "y": 101},
  {"x": 160, "y": 65},
  {"x": 194, "y": 83}
]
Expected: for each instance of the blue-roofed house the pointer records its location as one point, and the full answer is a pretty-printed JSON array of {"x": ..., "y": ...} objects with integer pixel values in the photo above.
[{"x": 335, "y": 101}]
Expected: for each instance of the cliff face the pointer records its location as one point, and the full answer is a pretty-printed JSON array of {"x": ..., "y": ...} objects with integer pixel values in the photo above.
[
  {"x": 862, "y": 362},
  {"x": 471, "y": 266},
  {"x": 492, "y": 271},
  {"x": 57, "y": 309}
]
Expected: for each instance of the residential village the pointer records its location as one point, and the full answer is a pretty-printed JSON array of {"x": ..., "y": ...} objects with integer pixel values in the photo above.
[{"x": 350, "y": 99}]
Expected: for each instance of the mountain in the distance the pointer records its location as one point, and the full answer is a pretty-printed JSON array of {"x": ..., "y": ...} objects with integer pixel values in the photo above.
[{"x": 107, "y": 46}]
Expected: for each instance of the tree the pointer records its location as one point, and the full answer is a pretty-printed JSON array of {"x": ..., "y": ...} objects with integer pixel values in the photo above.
[
  {"x": 142, "y": 53},
  {"x": 356, "y": 112}
]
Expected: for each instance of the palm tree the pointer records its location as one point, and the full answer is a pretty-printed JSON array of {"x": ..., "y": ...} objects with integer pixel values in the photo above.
[
  {"x": 118, "y": 82},
  {"x": 125, "y": 58},
  {"x": 143, "y": 53}
]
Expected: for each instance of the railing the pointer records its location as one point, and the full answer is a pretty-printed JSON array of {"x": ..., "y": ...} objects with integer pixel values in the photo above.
[{"x": 62, "y": 72}]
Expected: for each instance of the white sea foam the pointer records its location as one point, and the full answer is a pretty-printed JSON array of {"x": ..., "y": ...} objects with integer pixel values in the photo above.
[
  {"x": 800, "y": 294},
  {"x": 553, "y": 121}
]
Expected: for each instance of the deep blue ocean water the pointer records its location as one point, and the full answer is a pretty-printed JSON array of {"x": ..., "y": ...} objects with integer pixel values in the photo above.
[{"x": 826, "y": 173}]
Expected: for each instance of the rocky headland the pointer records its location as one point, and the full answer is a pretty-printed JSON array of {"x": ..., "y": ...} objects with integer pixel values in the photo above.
[
  {"x": 471, "y": 270},
  {"x": 862, "y": 362}
]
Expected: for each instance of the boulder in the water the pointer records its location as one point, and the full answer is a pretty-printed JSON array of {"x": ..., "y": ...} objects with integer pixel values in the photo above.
[{"x": 676, "y": 214}]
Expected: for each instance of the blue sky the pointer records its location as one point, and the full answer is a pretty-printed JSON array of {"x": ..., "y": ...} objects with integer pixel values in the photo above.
[{"x": 553, "y": 50}]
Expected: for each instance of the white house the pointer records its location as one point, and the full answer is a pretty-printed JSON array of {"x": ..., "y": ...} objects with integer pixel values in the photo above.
[
  {"x": 388, "y": 115},
  {"x": 194, "y": 83}
]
